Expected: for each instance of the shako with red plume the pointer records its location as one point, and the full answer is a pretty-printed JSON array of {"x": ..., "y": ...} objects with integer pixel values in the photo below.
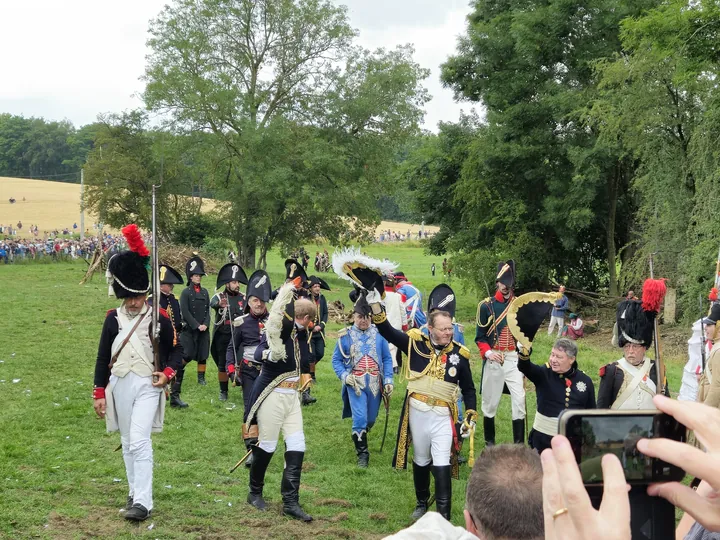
[
  {"x": 636, "y": 319},
  {"x": 713, "y": 296},
  {"x": 127, "y": 270}
]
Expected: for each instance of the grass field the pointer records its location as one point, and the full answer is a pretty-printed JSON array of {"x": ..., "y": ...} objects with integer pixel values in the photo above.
[
  {"x": 60, "y": 478},
  {"x": 56, "y": 205}
]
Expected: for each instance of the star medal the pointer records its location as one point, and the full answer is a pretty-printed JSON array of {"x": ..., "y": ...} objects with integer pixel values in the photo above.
[
  {"x": 454, "y": 359},
  {"x": 581, "y": 386},
  {"x": 452, "y": 371}
]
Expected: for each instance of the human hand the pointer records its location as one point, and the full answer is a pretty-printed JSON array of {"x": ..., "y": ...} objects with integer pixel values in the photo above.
[
  {"x": 566, "y": 505},
  {"x": 373, "y": 297},
  {"x": 350, "y": 380},
  {"x": 223, "y": 303},
  {"x": 316, "y": 329},
  {"x": 99, "y": 406},
  {"x": 389, "y": 389},
  {"x": 159, "y": 379},
  {"x": 467, "y": 428},
  {"x": 705, "y": 421},
  {"x": 495, "y": 357},
  {"x": 202, "y": 327}
]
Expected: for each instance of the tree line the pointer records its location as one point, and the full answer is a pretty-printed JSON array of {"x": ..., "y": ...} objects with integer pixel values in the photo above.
[{"x": 598, "y": 146}]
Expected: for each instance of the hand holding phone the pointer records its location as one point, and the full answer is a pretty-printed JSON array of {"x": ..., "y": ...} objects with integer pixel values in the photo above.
[
  {"x": 568, "y": 512},
  {"x": 705, "y": 421}
]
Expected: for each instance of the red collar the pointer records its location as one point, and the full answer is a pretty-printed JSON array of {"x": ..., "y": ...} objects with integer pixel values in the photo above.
[
  {"x": 197, "y": 288},
  {"x": 389, "y": 289},
  {"x": 500, "y": 298}
]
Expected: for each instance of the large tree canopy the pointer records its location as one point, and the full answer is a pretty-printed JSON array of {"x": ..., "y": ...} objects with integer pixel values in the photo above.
[{"x": 306, "y": 125}]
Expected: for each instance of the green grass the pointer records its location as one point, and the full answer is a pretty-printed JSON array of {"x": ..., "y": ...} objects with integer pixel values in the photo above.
[{"x": 57, "y": 465}]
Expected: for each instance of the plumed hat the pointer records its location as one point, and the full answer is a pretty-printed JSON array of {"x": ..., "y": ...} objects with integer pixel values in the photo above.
[
  {"x": 636, "y": 319},
  {"x": 127, "y": 271}
]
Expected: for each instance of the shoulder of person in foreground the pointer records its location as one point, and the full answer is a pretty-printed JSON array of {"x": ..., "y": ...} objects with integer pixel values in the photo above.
[{"x": 432, "y": 526}]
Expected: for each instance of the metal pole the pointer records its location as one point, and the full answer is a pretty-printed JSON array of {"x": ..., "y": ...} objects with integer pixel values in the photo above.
[
  {"x": 82, "y": 204},
  {"x": 656, "y": 331}
]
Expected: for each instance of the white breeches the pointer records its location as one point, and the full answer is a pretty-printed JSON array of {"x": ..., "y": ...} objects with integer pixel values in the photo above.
[
  {"x": 431, "y": 437},
  {"x": 136, "y": 403},
  {"x": 559, "y": 321},
  {"x": 281, "y": 412},
  {"x": 494, "y": 376}
]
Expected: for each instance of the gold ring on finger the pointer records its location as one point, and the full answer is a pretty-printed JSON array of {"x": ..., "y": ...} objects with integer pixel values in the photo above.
[{"x": 559, "y": 513}]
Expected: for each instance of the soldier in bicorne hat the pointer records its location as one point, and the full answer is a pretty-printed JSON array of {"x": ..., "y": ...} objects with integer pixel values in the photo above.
[
  {"x": 128, "y": 386},
  {"x": 500, "y": 357},
  {"x": 195, "y": 306},
  {"x": 228, "y": 305},
  {"x": 247, "y": 331},
  {"x": 630, "y": 383},
  {"x": 317, "y": 341},
  {"x": 169, "y": 277},
  {"x": 442, "y": 297}
]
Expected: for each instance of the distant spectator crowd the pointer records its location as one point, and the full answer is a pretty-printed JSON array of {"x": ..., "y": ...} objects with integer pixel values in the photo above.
[
  {"x": 397, "y": 236},
  {"x": 54, "y": 247}
]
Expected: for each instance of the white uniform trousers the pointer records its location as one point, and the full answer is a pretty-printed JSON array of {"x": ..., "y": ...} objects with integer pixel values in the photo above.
[
  {"x": 280, "y": 411},
  {"x": 136, "y": 403},
  {"x": 494, "y": 376},
  {"x": 431, "y": 435}
]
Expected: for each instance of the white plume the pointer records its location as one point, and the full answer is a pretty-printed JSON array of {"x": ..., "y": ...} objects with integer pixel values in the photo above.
[
  {"x": 349, "y": 255},
  {"x": 273, "y": 326}
]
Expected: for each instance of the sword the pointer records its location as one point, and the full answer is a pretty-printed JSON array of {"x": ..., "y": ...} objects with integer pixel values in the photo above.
[
  {"x": 386, "y": 402},
  {"x": 242, "y": 460}
]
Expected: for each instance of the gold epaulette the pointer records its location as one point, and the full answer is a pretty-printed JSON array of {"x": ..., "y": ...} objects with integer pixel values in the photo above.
[
  {"x": 464, "y": 351},
  {"x": 342, "y": 332},
  {"x": 415, "y": 334}
]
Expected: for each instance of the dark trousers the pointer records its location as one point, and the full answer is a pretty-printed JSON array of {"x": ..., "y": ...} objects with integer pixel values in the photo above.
[
  {"x": 317, "y": 344},
  {"x": 539, "y": 441},
  {"x": 218, "y": 349},
  {"x": 247, "y": 380},
  {"x": 196, "y": 345}
]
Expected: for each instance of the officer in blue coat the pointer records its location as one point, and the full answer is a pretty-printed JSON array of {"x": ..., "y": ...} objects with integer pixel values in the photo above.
[{"x": 363, "y": 363}]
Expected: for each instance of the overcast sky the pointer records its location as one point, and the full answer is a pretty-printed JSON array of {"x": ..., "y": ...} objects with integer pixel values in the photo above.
[{"x": 74, "y": 59}]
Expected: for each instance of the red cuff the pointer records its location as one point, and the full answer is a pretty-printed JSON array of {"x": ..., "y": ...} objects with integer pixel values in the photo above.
[
  {"x": 169, "y": 372},
  {"x": 98, "y": 393},
  {"x": 484, "y": 347},
  {"x": 231, "y": 368},
  {"x": 404, "y": 327}
]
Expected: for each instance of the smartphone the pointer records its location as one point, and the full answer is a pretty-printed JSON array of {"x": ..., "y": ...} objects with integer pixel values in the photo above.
[{"x": 594, "y": 433}]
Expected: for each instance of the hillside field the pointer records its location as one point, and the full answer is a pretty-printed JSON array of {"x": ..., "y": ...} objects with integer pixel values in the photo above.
[{"x": 56, "y": 205}]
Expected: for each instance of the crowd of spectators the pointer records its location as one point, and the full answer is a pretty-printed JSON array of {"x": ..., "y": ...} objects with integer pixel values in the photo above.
[
  {"x": 55, "y": 247},
  {"x": 398, "y": 236}
]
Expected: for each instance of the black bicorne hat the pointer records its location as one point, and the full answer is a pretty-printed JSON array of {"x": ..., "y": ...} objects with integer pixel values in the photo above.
[
  {"x": 294, "y": 269},
  {"x": 231, "y": 272},
  {"x": 506, "y": 273},
  {"x": 314, "y": 280},
  {"x": 169, "y": 276},
  {"x": 258, "y": 286},
  {"x": 361, "y": 305},
  {"x": 195, "y": 265},
  {"x": 128, "y": 270},
  {"x": 442, "y": 297}
]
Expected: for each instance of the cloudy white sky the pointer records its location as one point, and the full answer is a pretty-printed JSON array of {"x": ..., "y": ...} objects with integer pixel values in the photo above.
[{"x": 74, "y": 59}]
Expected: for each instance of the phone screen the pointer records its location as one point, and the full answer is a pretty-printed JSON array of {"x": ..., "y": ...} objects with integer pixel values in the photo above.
[{"x": 594, "y": 436}]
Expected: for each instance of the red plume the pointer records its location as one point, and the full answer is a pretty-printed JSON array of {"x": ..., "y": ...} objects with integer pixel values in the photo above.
[
  {"x": 653, "y": 293},
  {"x": 134, "y": 240},
  {"x": 713, "y": 296}
]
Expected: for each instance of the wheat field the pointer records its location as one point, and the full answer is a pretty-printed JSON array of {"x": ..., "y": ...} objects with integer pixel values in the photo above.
[{"x": 56, "y": 205}]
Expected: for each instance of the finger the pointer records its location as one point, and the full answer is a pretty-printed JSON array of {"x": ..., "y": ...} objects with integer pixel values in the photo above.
[
  {"x": 576, "y": 498},
  {"x": 615, "y": 502},
  {"x": 552, "y": 496},
  {"x": 704, "y": 420},
  {"x": 689, "y": 458},
  {"x": 686, "y": 498}
]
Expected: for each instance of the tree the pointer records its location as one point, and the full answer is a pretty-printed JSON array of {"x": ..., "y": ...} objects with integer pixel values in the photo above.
[
  {"x": 305, "y": 124},
  {"x": 535, "y": 184},
  {"x": 128, "y": 159}
]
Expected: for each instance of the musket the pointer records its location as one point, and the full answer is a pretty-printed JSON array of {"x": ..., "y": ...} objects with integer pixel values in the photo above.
[
  {"x": 155, "y": 287},
  {"x": 702, "y": 334},
  {"x": 386, "y": 402},
  {"x": 656, "y": 341}
]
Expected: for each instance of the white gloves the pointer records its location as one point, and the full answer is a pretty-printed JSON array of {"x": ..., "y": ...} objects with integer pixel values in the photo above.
[
  {"x": 350, "y": 380},
  {"x": 373, "y": 297},
  {"x": 465, "y": 431},
  {"x": 389, "y": 389}
]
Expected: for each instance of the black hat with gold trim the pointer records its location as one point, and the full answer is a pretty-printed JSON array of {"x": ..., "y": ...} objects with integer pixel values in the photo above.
[
  {"x": 231, "y": 272},
  {"x": 506, "y": 274},
  {"x": 169, "y": 276},
  {"x": 527, "y": 313},
  {"x": 367, "y": 272},
  {"x": 442, "y": 297},
  {"x": 293, "y": 270}
]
